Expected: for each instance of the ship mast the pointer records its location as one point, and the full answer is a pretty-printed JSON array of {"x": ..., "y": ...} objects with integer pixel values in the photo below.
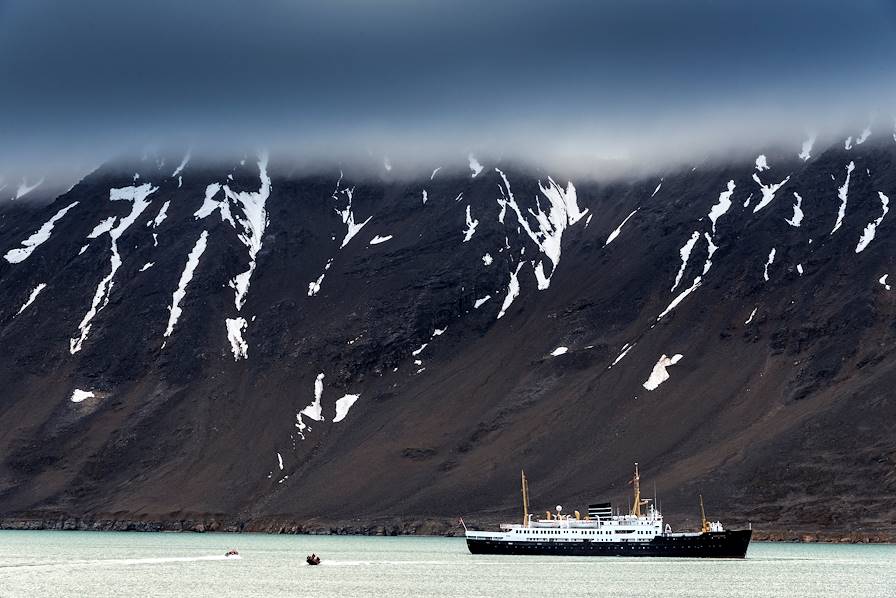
[
  {"x": 704, "y": 524},
  {"x": 525, "y": 487},
  {"x": 636, "y": 482}
]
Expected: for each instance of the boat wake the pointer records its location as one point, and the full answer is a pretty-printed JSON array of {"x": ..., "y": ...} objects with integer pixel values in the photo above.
[{"x": 118, "y": 562}]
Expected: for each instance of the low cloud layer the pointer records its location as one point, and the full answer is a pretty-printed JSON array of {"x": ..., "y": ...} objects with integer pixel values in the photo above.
[{"x": 582, "y": 85}]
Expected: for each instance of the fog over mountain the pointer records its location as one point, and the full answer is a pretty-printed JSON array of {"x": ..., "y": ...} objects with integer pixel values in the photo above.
[{"x": 591, "y": 88}]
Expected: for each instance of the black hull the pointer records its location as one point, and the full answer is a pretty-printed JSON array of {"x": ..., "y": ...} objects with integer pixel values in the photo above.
[{"x": 717, "y": 545}]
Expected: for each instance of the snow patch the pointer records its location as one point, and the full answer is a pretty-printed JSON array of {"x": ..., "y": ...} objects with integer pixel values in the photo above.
[
  {"x": 79, "y": 395},
  {"x": 314, "y": 410},
  {"x": 797, "y": 211},
  {"x": 752, "y": 315},
  {"x": 40, "y": 236},
  {"x": 478, "y": 303},
  {"x": 210, "y": 204},
  {"x": 147, "y": 266},
  {"x": 343, "y": 404},
  {"x": 871, "y": 227},
  {"x": 487, "y": 259},
  {"x": 235, "y": 329},
  {"x": 378, "y": 239},
  {"x": 659, "y": 373},
  {"x": 761, "y": 163},
  {"x": 883, "y": 281},
  {"x": 559, "y": 351}
]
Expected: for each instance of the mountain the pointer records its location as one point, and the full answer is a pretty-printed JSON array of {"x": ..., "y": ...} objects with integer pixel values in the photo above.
[{"x": 243, "y": 346}]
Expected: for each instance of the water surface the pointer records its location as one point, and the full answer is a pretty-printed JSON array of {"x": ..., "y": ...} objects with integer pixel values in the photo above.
[{"x": 119, "y": 564}]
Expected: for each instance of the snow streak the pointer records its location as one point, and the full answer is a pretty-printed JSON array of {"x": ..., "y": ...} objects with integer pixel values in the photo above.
[
  {"x": 769, "y": 262},
  {"x": 185, "y": 277},
  {"x": 618, "y": 229},
  {"x": 138, "y": 196},
  {"x": 471, "y": 226},
  {"x": 622, "y": 353},
  {"x": 513, "y": 290},
  {"x": 843, "y": 193},
  {"x": 563, "y": 212},
  {"x": 34, "y": 293},
  {"x": 20, "y": 254},
  {"x": 722, "y": 206},
  {"x": 680, "y": 298},
  {"x": 768, "y": 192},
  {"x": 871, "y": 227},
  {"x": 685, "y": 253}
]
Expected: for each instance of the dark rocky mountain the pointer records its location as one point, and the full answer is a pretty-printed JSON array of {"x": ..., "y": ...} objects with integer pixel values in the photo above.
[{"x": 241, "y": 346}]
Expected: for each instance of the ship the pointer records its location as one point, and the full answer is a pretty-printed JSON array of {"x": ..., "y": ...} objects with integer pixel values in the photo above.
[{"x": 638, "y": 532}]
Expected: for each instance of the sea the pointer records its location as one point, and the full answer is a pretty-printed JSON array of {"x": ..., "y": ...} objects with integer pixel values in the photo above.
[{"x": 49, "y": 564}]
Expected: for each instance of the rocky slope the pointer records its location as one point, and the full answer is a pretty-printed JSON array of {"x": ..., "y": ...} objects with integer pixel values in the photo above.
[{"x": 244, "y": 345}]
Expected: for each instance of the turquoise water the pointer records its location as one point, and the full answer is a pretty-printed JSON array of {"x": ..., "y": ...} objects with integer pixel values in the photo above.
[{"x": 88, "y": 564}]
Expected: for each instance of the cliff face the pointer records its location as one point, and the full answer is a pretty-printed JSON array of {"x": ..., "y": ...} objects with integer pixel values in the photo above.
[{"x": 240, "y": 342}]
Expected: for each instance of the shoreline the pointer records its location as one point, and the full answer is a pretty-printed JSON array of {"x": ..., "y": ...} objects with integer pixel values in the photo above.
[{"x": 382, "y": 527}]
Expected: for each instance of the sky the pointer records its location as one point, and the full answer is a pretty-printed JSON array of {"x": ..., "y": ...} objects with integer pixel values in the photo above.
[{"x": 588, "y": 85}]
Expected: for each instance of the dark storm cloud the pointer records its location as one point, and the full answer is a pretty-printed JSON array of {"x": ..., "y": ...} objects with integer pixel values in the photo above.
[{"x": 554, "y": 81}]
